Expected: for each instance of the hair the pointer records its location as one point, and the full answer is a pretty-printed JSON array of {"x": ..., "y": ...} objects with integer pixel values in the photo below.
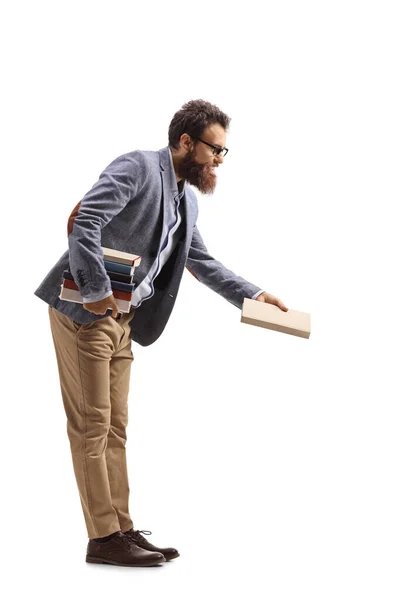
[{"x": 193, "y": 118}]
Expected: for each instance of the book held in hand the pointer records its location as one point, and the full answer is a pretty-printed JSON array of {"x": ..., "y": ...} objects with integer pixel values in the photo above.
[
  {"x": 120, "y": 267},
  {"x": 71, "y": 295},
  {"x": 262, "y": 314}
]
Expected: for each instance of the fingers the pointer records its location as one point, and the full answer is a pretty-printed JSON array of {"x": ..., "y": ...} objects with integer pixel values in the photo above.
[
  {"x": 278, "y": 303},
  {"x": 102, "y": 306},
  {"x": 281, "y": 306},
  {"x": 114, "y": 307}
]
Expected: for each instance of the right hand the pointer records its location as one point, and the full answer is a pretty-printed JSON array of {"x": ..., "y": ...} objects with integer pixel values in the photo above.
[{"x": 100, "y": 307}]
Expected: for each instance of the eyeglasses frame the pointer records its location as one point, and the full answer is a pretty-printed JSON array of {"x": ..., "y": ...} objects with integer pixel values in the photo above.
[{"x": 216, "y": 149}]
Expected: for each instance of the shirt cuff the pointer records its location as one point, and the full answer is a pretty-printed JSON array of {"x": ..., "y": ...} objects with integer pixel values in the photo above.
[
  {"x": 257, "y": 294},
  {"x": 97, "y": 297}
]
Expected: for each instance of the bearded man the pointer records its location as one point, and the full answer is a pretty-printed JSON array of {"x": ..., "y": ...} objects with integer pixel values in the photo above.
[{"x": 142, "y": 204}]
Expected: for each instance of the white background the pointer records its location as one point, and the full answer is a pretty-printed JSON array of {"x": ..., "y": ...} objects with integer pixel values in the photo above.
[{"x": 271, "y": 462}]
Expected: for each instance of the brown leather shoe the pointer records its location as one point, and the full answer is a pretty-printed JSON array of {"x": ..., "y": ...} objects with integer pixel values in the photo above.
[
  {"x": 121, "y": 551},
  {"x": 136, "y": 537}
]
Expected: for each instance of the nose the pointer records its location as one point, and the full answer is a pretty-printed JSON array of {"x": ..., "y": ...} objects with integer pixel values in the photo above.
[{"x": 220, "y": 158}]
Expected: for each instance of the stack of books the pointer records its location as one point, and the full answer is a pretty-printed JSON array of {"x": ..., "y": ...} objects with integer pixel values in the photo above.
[{"x": 120, "y": 267}]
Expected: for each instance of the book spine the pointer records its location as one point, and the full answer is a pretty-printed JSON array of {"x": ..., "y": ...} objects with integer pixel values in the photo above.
[
  {"x": 70, "y": 295},
  {"x": 120, "y": 277},
  {"x": 118, "y": 268},
  {"x": 124, "y": 258},
  {"x": 115, "y": 285},
  {"x": 67, "y": 283}
]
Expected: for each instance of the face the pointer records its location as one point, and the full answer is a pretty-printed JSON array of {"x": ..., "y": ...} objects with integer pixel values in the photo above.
[{"x": 198, "y": 164}]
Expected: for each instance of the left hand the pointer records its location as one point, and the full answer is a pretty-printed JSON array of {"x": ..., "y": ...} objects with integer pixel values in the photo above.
[{"x": 270, "y": 299}]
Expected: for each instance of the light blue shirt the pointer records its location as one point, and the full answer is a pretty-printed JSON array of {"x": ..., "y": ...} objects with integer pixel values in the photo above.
[{"x": 169, "y": 241}]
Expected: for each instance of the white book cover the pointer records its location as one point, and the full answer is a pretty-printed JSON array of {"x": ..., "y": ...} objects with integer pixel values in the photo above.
[
  {"x": 74, "y": 296},
  {"x": 124, "y": 258}
]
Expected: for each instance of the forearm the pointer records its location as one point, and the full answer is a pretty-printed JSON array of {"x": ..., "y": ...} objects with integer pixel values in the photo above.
[{"x": 216, "y": 276}]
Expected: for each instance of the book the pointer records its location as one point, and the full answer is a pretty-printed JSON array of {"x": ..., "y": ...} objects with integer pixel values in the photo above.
[
  {"x": 114, "y": 276},
  {"x": 118, "y": 267},
  {"x": 68, "y": 283},
  {"x": 124, "y": 258},
  {"x": 71, "y": 295},
  {"x": 270, "y": 316},
  {"x": 115, "y": 285}
]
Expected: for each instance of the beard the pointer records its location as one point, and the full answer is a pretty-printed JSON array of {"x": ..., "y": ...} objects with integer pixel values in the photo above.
[{"x": 201, "y": 176}]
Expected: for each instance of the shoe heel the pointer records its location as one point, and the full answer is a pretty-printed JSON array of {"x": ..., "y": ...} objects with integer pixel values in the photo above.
[{"x": 98, "y": 561}]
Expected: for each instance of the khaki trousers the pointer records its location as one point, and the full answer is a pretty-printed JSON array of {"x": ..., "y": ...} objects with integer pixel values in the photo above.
[{"x": 94, "y": 362}]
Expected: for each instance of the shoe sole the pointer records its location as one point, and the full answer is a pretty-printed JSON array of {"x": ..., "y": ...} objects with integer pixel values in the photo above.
[
  {"x": 104, "y": 561},
  {"x": 172, "y": 557}
]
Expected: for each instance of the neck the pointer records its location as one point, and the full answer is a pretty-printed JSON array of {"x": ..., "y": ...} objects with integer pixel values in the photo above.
[{"x": 175, "y": 161}]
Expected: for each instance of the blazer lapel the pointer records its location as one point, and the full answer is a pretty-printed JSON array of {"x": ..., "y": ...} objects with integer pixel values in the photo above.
[{"x": 170, "y": 188}]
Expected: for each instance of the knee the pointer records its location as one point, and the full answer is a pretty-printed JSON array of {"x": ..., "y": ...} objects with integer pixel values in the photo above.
[
  {"x": 117, "y": 435},
  {"x": 95, "y": 438},
  {"x": 92, "y": 439}
]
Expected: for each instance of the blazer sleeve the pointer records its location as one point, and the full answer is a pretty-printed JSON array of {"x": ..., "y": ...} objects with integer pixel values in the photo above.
[
  {"x": 206, "y": 269},
  {"x": 118, "y": 184}
]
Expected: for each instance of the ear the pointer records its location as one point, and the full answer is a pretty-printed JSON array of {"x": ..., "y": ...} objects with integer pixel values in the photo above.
[{"x": 186, "y": 142}]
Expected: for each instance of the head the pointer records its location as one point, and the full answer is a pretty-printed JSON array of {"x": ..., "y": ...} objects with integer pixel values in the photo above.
[{"x": 192, "y": 128}]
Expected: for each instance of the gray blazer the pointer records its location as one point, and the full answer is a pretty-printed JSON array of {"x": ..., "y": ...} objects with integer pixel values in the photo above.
[{"x": 125, "y": 211}]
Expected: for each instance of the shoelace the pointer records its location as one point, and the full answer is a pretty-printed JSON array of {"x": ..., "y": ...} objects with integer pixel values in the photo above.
[
  {"x": 137, "y": 534},
  {"x": 123, "y": 541}
]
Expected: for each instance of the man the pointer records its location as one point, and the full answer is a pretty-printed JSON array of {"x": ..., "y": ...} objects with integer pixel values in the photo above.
[{"x": 141, "y": 205}]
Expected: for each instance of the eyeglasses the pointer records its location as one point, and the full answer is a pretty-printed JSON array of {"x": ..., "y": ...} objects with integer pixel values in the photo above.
[{"x": 216, "y": 149}]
